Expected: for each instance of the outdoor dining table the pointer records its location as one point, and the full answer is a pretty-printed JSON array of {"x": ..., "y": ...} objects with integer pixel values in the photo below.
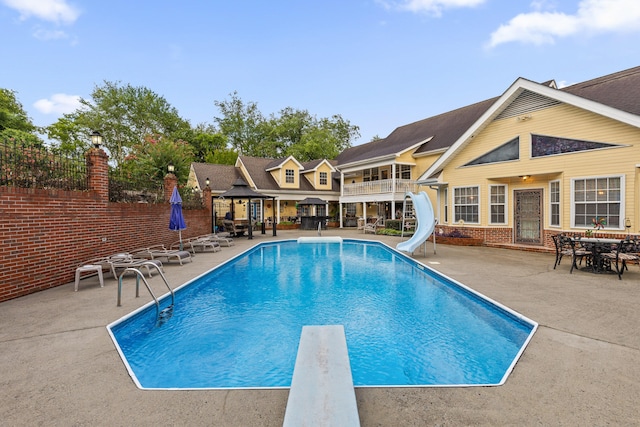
[{"x": 597, "y": 246}]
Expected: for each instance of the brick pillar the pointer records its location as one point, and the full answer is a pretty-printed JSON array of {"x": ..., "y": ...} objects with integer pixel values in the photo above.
[
  {"x": 170, "y": 181},
  {"x": 98, "y": 172}
]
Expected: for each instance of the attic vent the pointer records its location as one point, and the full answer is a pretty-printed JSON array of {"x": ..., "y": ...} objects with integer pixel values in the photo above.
[{"x": 527, "y": 102}]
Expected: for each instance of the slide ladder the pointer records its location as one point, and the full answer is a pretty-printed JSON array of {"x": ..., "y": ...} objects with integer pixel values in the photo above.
[{"x": 425, "y": 218}]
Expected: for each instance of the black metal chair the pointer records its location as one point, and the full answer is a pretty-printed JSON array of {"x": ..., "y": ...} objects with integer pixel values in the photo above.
[
  {"x": 579, "y": 252},
  {"x": 626, "y": 251},
  {"x": 562, "y": 248}
]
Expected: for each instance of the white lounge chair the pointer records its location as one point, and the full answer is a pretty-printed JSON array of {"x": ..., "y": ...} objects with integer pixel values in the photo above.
[
  {"x": 222, "y": 241},
  {"x": 159, "y": 251}
]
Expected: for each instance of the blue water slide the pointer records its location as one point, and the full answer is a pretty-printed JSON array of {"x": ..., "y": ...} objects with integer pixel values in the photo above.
[{"x": 425, "y": 219}]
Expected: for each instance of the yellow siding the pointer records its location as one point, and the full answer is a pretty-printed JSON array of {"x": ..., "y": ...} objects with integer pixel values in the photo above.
[
  {"x": 561, "y": 121},
  {"x": 314, "y": 177},
  {"x": 280, "y": 175}
]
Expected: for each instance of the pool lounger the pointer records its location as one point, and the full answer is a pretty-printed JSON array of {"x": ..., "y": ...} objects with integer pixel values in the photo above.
[{"x": 322, "y": 392}]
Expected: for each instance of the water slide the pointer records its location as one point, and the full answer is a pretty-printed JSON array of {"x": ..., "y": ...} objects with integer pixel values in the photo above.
[{"x": 425, "y": 219}]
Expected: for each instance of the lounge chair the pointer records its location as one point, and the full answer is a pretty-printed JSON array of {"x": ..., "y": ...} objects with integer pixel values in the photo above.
[
  {"x": 197, "y": 243},
  {"x": 125, "y": 260},
  {"x": 222, "y": 241},
  {"x": 159, "y": 251}
]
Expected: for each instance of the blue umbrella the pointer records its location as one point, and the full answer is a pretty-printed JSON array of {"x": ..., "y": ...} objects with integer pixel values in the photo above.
[{"x": 176, "y": 220}]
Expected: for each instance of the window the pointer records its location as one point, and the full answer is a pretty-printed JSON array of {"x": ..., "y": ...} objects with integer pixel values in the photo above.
[
  {"x": 403, "y": 172},
  {"x": 549, "y": 145},
  {"x": 497, "y": 204},
  {"x": 370, "y": 174},
  {"x": 595, "y": 198},
  {"x": 554, "y": 203},
  {"x": 465, "y": 204},
  {"x": 504, "y": 153},
  {"x": 323, "y": 178},
  {"x": 446, "y": 205},
  {"x": 289, "y": 176},
  {"x": 350, "y": 209}
]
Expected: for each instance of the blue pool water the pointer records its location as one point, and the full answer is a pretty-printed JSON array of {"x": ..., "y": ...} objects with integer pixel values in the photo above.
[{"x": 238, "y": 326}]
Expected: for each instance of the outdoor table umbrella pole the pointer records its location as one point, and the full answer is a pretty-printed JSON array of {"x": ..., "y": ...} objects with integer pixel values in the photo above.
[{"x": 176, "y": 220}]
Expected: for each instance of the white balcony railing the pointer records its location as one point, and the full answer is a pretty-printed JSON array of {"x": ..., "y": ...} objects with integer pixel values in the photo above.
[{"x": 384, "y": 186}]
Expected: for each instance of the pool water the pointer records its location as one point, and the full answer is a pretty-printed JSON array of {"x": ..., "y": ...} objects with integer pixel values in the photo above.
[{"x": 238, "y": 326}]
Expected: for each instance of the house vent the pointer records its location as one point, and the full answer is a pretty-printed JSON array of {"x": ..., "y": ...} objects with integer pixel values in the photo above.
[{"x": 525, "y": 103}]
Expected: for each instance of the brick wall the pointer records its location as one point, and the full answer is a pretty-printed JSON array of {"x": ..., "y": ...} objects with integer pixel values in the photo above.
[{"x": 46, "y": 234}]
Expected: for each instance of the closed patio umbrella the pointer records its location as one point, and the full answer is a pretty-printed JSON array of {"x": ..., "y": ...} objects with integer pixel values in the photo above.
[{"x": 176, "y": 220}]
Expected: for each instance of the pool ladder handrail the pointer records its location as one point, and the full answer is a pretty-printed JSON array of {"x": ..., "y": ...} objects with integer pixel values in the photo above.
[{"x": 160, "y": 314}]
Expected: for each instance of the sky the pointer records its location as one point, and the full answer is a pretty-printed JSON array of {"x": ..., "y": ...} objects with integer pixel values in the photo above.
[{"x": 380, "y": 64}]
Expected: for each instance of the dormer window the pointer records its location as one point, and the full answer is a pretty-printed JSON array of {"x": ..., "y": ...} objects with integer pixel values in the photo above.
[
  {"x": 289, "y": 176},
  {"x": 323, "y": 178}
]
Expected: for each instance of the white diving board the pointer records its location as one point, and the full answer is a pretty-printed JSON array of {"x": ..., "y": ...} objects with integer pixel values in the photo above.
[
  {"x": 320, "y": 239},
  {"x": 322, "y": 392}
]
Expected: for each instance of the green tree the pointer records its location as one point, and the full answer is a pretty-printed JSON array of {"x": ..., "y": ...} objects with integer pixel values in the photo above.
[
  {"x": 124, "y": 115},
  {"x": 149, "y": 159},
  {"x": 290, "y": 132},
  {"x": 205, "y": 141},
  {"x": 14, "y": 121},
  {"x": 243, "y": 125}
]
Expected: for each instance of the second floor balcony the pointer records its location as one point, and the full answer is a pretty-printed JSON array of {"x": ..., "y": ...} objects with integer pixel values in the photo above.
[{"x": 383, "y": 186}]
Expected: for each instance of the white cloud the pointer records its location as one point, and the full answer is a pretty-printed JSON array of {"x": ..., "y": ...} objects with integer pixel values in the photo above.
[
  {"x": 592, "y": 16},
  {"x": 59, "y": 103},
  {"x": 432, "y": 7},
  {"x": 42, "y": 34},
  {"x": 58, "y": 11}
]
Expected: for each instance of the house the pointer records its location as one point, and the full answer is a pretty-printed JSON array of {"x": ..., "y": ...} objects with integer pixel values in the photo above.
[
  {"x": 512, "y": 170},
  {"x": 542, "y": 160},
  {"x": 374, "y": 177},
  {"x": 286, "y": 180}
]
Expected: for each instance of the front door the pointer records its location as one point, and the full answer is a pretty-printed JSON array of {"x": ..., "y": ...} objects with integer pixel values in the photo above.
[{"x": 528, "y": 216}]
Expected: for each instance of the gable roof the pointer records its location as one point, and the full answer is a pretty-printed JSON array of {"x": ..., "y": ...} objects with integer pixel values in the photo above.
[
  {"x": 430, "y": 134},
  {"x": 221, "y": 177},
  {"x": 610, "y": 96},
  {"x": 258, "y": 170},
  {"x": 278, "y": 163}
]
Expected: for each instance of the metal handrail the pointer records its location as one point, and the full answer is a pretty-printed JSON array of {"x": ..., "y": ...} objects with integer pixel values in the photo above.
[{"x": 160, "y": 314}]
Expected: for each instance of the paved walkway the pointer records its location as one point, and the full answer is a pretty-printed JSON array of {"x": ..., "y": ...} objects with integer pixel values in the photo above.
[{"x": 60, "y": 368}]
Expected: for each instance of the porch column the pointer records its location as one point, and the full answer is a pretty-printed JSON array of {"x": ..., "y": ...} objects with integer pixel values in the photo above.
[{"x": 340, "y": 213}]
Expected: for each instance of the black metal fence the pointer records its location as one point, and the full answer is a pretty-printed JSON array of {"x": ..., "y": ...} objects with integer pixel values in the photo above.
[
  {"x": 31, "y": 166},
  {"x": 127, "y": 189}
]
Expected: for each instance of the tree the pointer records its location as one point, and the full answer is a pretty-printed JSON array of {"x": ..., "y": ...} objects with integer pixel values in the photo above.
[
  {"x": 124, "y": 115},
  {"x": 14, "y": 121},
  {"x": 243, "y": 125},
  {"x": 206, "y": 141},
  {"x": 149, "y": 159},
  {"x": 291, "y": 132}
]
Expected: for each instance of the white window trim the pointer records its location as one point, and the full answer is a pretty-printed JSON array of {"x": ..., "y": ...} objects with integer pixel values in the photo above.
[
  {"x": 622, "y": 199},
  {"x": 453, "y": 204},
  {"x": 506, "y": 204},
  {"x": 559, "y": 205}
]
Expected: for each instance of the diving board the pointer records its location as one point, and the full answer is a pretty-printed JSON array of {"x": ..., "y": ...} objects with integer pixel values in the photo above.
[{"x": 322, "y": 392}]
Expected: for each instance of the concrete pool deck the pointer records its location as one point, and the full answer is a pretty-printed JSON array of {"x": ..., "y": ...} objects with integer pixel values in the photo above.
[{"x": 582, "y": 367}]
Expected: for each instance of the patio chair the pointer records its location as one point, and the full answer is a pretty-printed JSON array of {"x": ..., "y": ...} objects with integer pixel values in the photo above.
[
  {"x": 625, "y": 252},
  {"x": 125, "y": 260},
  {"x": 563, "y": 248},
  {"x": 222, "y": 241},
  {"x": 579, "y": 252},
  {"x": 160, "y": 251},
  {"x": 371, "y": 227},
  {"x": 198, "y": 243}
]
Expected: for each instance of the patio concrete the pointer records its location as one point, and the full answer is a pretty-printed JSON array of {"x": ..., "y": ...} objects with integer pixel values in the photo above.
[{"x": 582, "y": 367}]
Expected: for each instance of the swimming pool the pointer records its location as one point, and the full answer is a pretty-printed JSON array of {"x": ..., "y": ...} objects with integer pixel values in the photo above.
[{"x": 238, "y": 325}]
